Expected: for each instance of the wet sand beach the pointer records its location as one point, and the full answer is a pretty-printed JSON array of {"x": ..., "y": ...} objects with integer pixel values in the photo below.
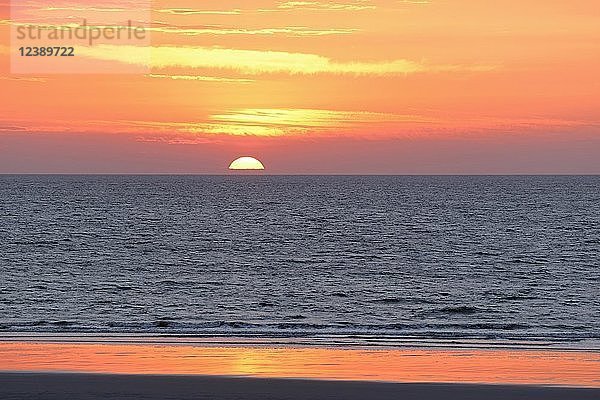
[{"x": 98, "y": 370}]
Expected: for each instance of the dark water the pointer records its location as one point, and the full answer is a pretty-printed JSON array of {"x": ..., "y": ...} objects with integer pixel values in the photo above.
[{"x": 431, "y": 257}]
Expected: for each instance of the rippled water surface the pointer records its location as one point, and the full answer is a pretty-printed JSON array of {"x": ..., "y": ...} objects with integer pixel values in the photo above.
[{"x": 432, "y": 257}]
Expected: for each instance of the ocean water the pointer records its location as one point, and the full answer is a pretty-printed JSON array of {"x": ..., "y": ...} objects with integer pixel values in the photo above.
[{"x": 280, "y": 256}]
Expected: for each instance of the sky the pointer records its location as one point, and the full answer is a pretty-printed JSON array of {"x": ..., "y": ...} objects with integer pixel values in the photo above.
[{"x": 308, "y": 87}]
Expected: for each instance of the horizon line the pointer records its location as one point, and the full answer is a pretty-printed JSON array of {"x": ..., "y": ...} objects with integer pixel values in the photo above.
[{"x": 292, "y": 174}]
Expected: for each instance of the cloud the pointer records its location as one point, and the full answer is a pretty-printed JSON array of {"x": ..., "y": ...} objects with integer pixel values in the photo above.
[
  {"x": 22, "y": 78},
  {"x": 95, "y": 9},
  {"x": 215, "y": 30},
  {"x": 357, "y": 5},
  {"x": 214, "y": 128},
  {"x": 12, "y": 128},
  {"x": 201, "y": 78},
  {"x": 265, "y": 122},
  {"x": 220, "y": 30},
  {"x": 178, "y": 139},
  {"x": 191, "y": 11},
  {"x": 270, "y": 122},
  {"x": 255, "y": 62},
  {"x": 312, "y": 117},
  {"x": 318, "y": 5},
  {"x": 363, "y": 124}
]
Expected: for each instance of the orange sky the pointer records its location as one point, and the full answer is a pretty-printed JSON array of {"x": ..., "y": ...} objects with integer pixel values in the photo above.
[{"x": 341, "y": 86}]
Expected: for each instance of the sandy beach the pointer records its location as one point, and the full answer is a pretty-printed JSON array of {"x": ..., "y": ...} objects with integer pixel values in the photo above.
[
  {"x": 183, "y": 370},
  {"x": 15, "y": 386}
]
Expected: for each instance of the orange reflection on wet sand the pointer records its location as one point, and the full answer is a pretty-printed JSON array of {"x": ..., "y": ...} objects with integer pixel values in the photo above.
[{"x": 574, "y": 368}]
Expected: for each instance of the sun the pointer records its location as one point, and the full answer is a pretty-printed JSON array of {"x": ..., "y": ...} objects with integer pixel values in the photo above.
[{"x": 246, "y": 164}]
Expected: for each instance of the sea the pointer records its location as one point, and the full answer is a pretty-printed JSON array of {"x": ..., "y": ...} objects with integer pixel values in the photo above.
[{"x": 367, "y": 259}]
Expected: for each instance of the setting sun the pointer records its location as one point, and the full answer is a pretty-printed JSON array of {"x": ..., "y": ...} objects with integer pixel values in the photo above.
[{"x": 246, "y": 163}]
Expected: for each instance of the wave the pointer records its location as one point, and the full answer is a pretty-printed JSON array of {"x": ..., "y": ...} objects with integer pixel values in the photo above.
[
  {"x": 403, "y": 300},
  {"x": 459, "y": 310},
  {"x": 300, "y": 329}
]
